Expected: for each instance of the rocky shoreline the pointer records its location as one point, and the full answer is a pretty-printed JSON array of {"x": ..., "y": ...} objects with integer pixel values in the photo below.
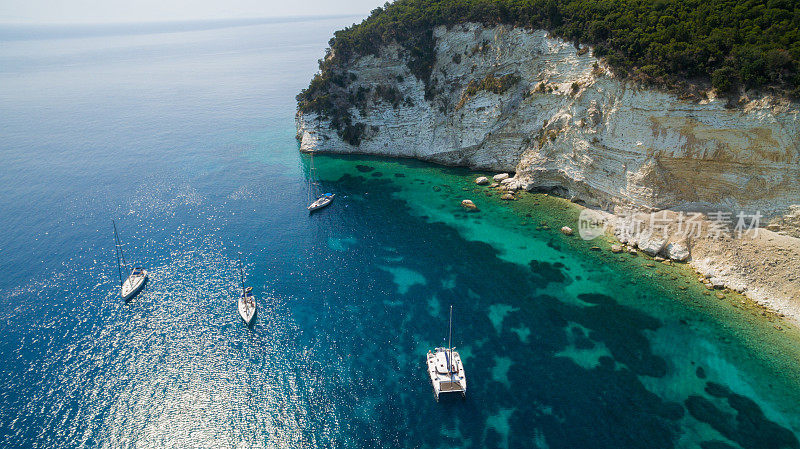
[
  {"x": 515, "y": 100},
  {"x": 728, "y": 255}
]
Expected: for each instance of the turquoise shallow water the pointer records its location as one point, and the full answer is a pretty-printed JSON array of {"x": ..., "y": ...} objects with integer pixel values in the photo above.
[{"x": 185, "y": 137}]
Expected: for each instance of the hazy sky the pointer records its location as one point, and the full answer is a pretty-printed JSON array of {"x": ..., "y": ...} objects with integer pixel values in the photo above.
[{"x": 101, "y": 11}]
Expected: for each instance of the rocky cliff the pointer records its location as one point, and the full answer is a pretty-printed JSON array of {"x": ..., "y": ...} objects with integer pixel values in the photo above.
[{"x": 512, "y": 99}]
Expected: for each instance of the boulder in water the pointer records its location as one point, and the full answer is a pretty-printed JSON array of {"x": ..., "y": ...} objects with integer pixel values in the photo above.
[
  {"x": 717, "y": 282},
  {"x": 616, "y": 249},
  {"x": 500, "y": 177},
  {"x": 651, "y": 244},
  {"x": 566, "y": 230},
  {"x": 507, "y": 197},
  {"x": 468, "y": 205},
  {"x": 677, "y": 251},
  {"x": 482, "y": 180}
]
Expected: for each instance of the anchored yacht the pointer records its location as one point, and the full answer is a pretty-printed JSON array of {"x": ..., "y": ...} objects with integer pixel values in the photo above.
[
  {"x": 247, "y": 302},
  {"x": 131, "y": 286},
  {"x": 445, "y": 368}
]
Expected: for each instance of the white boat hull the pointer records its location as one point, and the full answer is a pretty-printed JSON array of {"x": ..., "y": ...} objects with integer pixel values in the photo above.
[
  {"x": 321, "y": 202},
  {"x": 446, "y": 379},
  {"x": 133, "y": 285},
  {"x": 247, "y": 308}
]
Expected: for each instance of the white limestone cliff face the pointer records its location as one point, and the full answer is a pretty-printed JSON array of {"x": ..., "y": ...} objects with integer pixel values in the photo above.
[{"x": 569, "y": 123}]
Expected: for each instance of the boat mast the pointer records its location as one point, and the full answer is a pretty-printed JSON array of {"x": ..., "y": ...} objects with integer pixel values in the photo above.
[
  {"x": 241, "y": 274},
  {"x": 449, "y": 342},
  {"x": 312, "y": 191},
  {"x": 117, "y": 250},
  {"x": 121, "y": 253}
]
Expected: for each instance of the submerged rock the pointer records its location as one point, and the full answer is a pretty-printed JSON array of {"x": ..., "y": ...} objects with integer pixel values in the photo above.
[
  {"x": 507, "y": 197},
  {"x": 616, "y": 248},
  {"x": 566, "y": 230},
  {"x": 468, "y": 205}
]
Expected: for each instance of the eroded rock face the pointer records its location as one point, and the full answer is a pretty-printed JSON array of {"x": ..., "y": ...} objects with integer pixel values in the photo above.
[{"x": 568, "y": 123}]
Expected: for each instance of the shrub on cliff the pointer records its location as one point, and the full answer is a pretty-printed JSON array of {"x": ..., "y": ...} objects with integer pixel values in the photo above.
[
  {"x": 493, "y": 84},
  {"x": 490, "y": 83}
]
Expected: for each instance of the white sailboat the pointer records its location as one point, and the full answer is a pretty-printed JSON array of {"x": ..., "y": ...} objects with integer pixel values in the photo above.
[
  {"x": 247, "y": 302},
  {"x": 135, "y": 281},
  {"x": 445, "y": 368},
  {"x": 134, "y": 284},
  {"x": 322, "y": 200}
]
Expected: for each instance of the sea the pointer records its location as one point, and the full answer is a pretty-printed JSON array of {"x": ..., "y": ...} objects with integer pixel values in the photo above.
[{"x": 183, "y": 134}]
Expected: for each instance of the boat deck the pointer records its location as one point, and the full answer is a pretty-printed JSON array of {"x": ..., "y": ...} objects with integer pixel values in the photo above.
[
  {"x": 444, "y": 380},
  {"x": 450, "y": 387}
]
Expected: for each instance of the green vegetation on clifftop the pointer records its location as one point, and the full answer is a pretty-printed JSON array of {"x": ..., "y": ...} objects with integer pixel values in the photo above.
[{"x": 733, "y": 44}]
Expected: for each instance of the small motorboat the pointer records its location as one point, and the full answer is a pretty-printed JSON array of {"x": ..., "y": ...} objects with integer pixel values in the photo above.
[
  {"x": 445, "y": 368},
  {"x": 321, "y": 202},
  {"x": 133, "y": 285},
  {"x": 247, "y": 305}
]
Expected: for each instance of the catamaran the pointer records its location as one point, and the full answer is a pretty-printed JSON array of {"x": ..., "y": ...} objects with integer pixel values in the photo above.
[
  {"x": 247, "y": 302},
  {"x": 445, "y": 368},
  {"x": 131, "y": 286},
  {"x": 321, "y": 201}
]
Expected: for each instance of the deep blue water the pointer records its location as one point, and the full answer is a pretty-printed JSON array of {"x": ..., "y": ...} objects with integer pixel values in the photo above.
[{"x": 185, "y": 136}]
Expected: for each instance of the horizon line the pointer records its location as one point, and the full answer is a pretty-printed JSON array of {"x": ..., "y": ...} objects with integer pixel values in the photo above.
[{"x": 185, "y": 21}]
